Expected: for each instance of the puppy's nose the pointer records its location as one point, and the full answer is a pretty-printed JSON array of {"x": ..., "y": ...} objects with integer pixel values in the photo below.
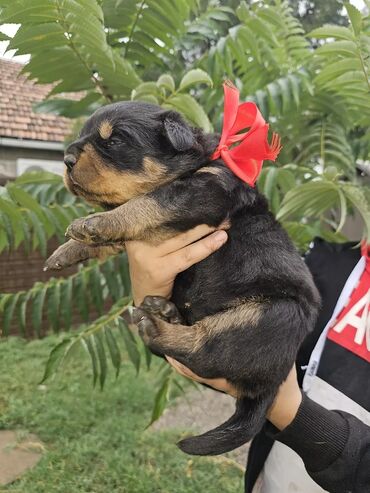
[{"x": 70, "y": 160}]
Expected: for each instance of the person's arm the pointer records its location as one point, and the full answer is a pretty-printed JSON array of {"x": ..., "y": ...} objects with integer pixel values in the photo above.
[{"x": 334, "y": 446}]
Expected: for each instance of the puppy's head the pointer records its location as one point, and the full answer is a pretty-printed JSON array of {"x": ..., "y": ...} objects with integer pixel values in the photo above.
[{"x": 130, "y": 148}]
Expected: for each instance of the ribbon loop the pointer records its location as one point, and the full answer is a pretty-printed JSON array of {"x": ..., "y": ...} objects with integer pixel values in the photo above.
[{"x": 246, "y": 158}]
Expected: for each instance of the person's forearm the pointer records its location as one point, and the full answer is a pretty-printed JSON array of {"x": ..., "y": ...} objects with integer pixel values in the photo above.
[{"x": 334, "y": 446}]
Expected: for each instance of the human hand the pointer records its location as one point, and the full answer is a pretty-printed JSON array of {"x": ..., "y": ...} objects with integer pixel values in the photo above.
[
  {"x": 217, "y": 383},
  {"x": 285, "y": 406},
  {"x": 153, "y": 268}
]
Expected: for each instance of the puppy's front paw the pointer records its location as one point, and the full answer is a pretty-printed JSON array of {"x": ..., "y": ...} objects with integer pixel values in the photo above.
[
  {"x": 162, "y": 308},
  {"x": 91, "y": 230}
]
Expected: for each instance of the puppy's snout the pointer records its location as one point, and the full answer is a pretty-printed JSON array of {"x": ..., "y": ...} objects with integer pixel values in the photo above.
[{"x": 70, "y": 160}]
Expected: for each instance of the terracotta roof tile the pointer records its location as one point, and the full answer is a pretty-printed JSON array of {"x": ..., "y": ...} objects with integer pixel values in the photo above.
[{"x": 17, "y": 96}]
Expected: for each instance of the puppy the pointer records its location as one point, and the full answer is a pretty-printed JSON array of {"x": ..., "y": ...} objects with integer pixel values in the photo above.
[{"x": 243, "y": 312}]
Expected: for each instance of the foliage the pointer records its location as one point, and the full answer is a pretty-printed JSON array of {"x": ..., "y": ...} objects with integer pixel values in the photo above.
[
  {"x": 315, "y": 13},
  {"x": 176, "y": 53},
  {"x": 94, "y": 441}
]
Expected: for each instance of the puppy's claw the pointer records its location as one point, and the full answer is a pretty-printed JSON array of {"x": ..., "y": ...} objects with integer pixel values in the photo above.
[
  {"x": 146, "y": 325},
  {"x": 138, "y": 314}
]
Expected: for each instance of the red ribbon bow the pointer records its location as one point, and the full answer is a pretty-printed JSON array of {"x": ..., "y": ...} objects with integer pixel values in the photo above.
[{"x": 245, "y": 159}]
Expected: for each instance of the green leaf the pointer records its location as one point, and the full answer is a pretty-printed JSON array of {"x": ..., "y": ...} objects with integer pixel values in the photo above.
[
  {"x": 38, "y": 300},
  {"x": 193, "y": 77},
  {"x": 270, "y": 182},
  {"x": 69, "y": 108},
  {"x": 80, "y": 293},
  {"x": 161, "y": 400},
  {"x": 8, "y": 312},
  {"x": 359, "y": 198},
  {"x": 13, "y": 223},
  {"x": 329, "y": 31},
  {"x": 96, "y": 288},
  {"x": 66, "y": 304},
  {"x": 26, "y": 200},
  {"x": 56, "y": 358},
  {"x": 39, "y": 236},
  {"x": 190, "y": 109},
  {"x": 355, "y": 17},
  {"x": 148, "y": 356},
  {"x": 112, "y": 280},
  {"x": 130, "y": 343},
  {"x": 22, "y": 313},
  {"x": 113, "y": 349},
  {"x": 146, "y": 88},
  {"x": 309, "y": 199},
  {"x": 102, "y": 359},
  {"x": 53, "y": 304},
  {"x": 346, "y": 48},
  {"x": 124, "y": 273},
  {"x": 343, "y": 211},
  {"x": 166, "y": 81},
  {"x": 89, "y": 345}
]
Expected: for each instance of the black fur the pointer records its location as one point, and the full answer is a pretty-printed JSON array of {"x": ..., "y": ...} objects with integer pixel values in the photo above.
[{"x": 258, "y": 262}]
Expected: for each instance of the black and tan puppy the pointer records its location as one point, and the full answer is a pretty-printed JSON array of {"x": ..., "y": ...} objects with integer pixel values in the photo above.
[{"x": 245, "y": 310}]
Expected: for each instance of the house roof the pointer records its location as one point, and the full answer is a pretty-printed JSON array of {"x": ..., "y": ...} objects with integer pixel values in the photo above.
[{"x": 17, "y": 96}]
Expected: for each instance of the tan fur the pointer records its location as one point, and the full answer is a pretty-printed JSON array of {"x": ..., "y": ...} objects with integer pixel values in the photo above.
[
  {"x": 97, "y": 181},
  {"x": 72, "y": 252},
  {"x": 211, "y": 169},
  {"x": 138, "y": 219},
  {"x": 105, "y": 130},
  {"x": 248, "y": 314},
  {"x": 191, "y": 339}
]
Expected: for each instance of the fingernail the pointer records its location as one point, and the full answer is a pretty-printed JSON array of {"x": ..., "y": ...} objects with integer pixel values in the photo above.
[{"x": 220, "y": 237}]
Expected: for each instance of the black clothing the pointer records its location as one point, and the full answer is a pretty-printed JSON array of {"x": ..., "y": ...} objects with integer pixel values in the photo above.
[{"x": 334, "y": 445}]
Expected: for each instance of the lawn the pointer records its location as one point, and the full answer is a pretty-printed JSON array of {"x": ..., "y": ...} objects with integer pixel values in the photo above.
[{"x": 96, "y": 441}]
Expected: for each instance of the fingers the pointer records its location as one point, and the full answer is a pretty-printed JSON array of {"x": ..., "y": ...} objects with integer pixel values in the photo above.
[
  {"x": 184, "y": 239},
  {"x": 191, "y": 254},
  {"x": 217, "y": 383},
  {"x": 183, "y": 370}
]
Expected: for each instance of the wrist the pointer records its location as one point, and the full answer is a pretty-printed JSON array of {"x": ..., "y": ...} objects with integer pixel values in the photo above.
[{"x": 284, "y": 409}]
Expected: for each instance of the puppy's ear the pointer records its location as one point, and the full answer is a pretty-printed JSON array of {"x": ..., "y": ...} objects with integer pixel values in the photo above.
[{"x": 177, "y": 131}]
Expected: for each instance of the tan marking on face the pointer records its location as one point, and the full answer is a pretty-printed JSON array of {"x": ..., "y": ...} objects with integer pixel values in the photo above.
[
  {"x": 105, "y": 129},
  {"x": 100, "y": 182}
]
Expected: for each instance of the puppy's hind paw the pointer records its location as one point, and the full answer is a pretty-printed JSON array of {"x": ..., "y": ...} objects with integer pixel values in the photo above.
[
  {"x": 147, "y": 327},
  {"x": 162, "y": 308}
]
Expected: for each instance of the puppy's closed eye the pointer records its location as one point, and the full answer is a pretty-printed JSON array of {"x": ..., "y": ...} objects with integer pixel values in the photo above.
[{"x": 113, "y": 141}]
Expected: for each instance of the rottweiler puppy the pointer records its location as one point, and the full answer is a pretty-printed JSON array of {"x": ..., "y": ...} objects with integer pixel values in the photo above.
[{"x": 243, "y": 312}]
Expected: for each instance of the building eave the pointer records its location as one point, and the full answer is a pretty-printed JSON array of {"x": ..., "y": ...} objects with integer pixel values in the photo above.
[{"x": 31, "y": 144}]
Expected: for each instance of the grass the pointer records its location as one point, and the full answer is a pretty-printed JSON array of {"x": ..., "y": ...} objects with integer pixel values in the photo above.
[{"x": 95, "y": 441}]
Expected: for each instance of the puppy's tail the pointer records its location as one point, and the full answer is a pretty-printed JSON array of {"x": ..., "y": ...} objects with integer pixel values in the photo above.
[{"x": 243, "y": 425}]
